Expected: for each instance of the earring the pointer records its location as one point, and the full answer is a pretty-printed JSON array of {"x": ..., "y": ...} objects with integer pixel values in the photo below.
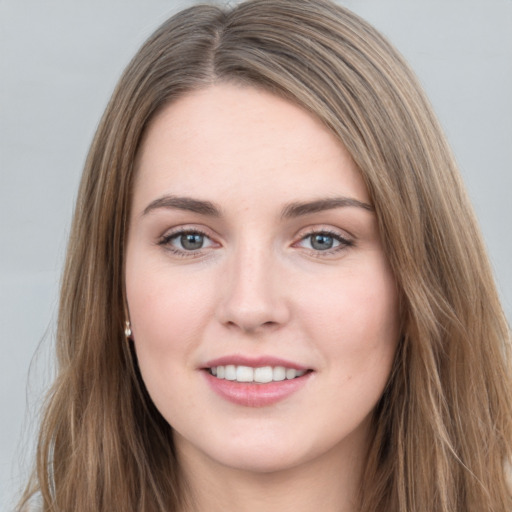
[{"x": 127, "y": 329}]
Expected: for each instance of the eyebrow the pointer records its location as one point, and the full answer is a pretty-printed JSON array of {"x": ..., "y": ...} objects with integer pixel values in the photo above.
[
  {"x": 184, "y": 203},
  {"x": 291, "y": 210},
  {"x": 298, "y": 209}
]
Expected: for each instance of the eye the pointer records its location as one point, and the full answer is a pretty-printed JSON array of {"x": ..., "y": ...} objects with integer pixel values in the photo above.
[
  {"x": 324, "y": 241},
  {"x": 190, "y": 241},
  {"x": 186, "y": 241}
]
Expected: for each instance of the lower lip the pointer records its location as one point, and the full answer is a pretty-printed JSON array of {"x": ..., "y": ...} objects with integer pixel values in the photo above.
[{"x": 255, "y": 395}]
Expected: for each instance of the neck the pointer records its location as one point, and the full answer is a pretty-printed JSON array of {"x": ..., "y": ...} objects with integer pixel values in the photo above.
[{"x": 331, "y": 480}]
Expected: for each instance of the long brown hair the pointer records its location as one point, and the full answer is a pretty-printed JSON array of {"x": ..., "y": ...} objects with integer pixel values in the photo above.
[{"x": 442, "y": 432}]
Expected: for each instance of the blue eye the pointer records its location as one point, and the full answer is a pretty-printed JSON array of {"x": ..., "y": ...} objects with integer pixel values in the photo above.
[
  {"x": 186, "y": 241},
  {"x": 323, "y": 241},
  {"x": 191, "y": 241}
]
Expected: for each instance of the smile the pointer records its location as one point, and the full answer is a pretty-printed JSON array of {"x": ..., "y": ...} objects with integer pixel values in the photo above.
[{"x": 260, "y": 375}]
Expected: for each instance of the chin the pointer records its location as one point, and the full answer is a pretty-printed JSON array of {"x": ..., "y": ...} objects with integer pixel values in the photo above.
[
  {"x": 261, "y": 461},
  {"x": 254, "y": 452},
  {"x": 268, "y": 460}
]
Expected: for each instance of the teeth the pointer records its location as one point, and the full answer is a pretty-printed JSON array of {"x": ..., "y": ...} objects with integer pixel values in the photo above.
[
  {"x": 230, "y": 373},
  {"x": 291, "y": 373},
  {"x": 244, "y": 374},
  {"x": 279, "y": 373},
  {"x": 261, "y": 375}
]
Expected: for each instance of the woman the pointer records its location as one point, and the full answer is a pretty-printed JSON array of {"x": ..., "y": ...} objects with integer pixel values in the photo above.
[{"x": 275, "y": 294}]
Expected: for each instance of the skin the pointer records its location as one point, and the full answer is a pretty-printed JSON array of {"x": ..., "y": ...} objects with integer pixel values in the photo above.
[{"x": 259, "y": 286}]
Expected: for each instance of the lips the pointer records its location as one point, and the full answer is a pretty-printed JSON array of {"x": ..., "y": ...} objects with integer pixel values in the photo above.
[{"x": 255, "y": 382}]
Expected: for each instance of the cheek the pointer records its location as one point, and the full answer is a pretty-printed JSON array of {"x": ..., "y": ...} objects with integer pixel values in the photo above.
[
  {"x": 168, "y": 311},
  {"x": 166, "y": 306},
  {"x": 356, "y": 319}
]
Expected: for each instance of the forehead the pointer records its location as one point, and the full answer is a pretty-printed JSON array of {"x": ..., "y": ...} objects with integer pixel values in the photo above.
[{"x": 231, "y": 137}]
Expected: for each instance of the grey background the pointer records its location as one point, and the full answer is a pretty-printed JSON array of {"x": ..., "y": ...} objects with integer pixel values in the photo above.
[{"x": 59, "y": 62}]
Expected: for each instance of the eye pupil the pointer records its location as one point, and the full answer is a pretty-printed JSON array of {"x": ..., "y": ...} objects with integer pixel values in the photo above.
[
  {"x": 191, "y": 241},
  {"x": 322, "y": 242}
]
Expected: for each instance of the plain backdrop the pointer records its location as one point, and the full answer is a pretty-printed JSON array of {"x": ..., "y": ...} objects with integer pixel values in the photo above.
[{"x": 59, "y": 62}]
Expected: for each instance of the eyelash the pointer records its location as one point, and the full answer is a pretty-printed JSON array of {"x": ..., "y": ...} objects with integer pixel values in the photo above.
[
  {"x": 344, "y": 243},
  {"x": 166, "y": 240}
]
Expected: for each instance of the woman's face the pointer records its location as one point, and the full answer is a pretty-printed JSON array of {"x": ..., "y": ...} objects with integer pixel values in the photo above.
[{"x": 253, "y": 254}]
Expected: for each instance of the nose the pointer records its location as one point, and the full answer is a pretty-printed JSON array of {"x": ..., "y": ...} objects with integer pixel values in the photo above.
[{"x": 253, "y": 297}]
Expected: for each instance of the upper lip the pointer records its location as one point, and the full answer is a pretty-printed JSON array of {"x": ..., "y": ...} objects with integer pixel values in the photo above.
[{"x": 253, "y": 362}]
